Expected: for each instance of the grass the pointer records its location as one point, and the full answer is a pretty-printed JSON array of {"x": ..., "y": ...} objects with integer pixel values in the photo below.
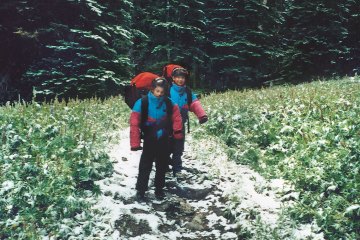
[
  {"x": 50, "y": 156},
  {"x": 308, "y": 134}
]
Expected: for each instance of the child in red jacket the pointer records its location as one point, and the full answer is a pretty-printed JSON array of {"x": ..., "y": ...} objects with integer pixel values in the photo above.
[
  {"x": 187, "y": 101},
  {"x": 163, "y": 120}
]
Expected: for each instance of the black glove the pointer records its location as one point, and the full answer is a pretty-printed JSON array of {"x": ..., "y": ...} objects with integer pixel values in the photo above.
[
  {"x": 203, "y": 119},
  {"x": 136, "y": 148}
]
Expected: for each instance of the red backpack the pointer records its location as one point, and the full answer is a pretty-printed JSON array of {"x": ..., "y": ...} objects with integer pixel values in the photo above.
[
  {"x": 139, "y": 87},
  {"x": 168, "y": 69}
]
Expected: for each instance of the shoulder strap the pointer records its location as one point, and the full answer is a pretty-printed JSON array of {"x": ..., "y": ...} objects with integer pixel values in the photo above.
[
  {"x": 144, "y": 110},
  {"x": 169, "y": 112},
  {"x": 169, "y": 106},
  {"x": 189, "y": 95},
  {"x": 169, "y": 90}
]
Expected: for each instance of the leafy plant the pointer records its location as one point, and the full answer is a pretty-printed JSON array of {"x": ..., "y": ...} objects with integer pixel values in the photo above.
[
  {"x": 50, "y": 156},
  {"x": 308, "y": 134}
]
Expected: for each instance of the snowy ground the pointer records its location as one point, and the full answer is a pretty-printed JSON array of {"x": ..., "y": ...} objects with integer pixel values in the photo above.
[
  {"x": 192, "y": 209},
  {"x": 256, "y": 204},
  {"x": 216, "y": 199}
]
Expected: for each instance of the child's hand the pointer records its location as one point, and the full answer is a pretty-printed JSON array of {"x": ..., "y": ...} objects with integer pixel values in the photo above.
[
  {"x": 203, "y": 119},
  {"x": 136, "y": 148}
]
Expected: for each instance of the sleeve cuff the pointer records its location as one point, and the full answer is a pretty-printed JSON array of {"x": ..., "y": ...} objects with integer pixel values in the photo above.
[
  {"x": 178, "y": 135},
  {"x": 136, "y": 148},
  {"x": 203, "y": 119}
]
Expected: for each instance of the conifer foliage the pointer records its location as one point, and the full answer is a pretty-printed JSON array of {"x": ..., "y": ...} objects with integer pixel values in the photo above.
[
  {"x": 73, "y": 48},
  {"x": 244, "y": 41},
  {"x": 65, "y": 48},
  {"x": 314, "y": 38},
  {"x": 171, "y": 31}
]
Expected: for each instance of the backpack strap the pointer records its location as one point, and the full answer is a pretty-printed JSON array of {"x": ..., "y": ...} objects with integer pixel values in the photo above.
[
  {"x": 144, "y": 111},
  {"x": 169, "y": 112},
  {"x": 188, "y": 96},
  {"x": 169, "y": 90},
  {"x": 189, "y": 101}
]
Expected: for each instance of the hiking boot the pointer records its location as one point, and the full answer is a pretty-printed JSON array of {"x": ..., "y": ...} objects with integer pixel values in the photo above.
[
  {"x": 159, "y": 194},
  {"x": 140, "y": 196}
]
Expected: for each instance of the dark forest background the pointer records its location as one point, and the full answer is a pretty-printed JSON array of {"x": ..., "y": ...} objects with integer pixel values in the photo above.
[{"x": 86, "y": 48}]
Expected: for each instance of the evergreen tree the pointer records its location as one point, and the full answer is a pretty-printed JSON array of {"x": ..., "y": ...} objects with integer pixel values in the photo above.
[
  {"x": 244, "y": 37},
  {"x": 350, "y": 64},
  {"x": 79, "y": 49},
  {"x": 313, "y": 38},
  {"x": 70, "y": 48},
  {"x": 19, "y": 46},
  {"x": 170, "y": 32},
  {"x": 91, "y": 56}
]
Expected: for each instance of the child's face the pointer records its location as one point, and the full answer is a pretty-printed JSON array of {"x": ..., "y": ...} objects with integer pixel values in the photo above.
[
  {"x": 179, "y": 80},
  {"x": 158, "y": 92}
]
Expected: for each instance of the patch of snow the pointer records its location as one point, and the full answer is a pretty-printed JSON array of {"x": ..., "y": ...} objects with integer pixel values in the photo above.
[
  {"x": 229, "y": 235},
  {"x": 215, "y": 219},
  {"x": 145, "y": 237},
  {"x": 308, "y": 231},
  {"x": 152, "y": 220},
  {"x": 352, "y": 208},
  {"x": 6, "y": 186}
]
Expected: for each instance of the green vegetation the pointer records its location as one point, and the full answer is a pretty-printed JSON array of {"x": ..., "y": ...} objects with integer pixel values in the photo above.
[
  {"x": 50, "y": 156},
  {"x": 308, "y": 134}
]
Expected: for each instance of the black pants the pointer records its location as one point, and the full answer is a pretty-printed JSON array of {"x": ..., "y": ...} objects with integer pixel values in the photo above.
[
  {"x": 153, "y": 151},
  {"x": 177, "y": 149},
  {"x": 177, "y": 152}
]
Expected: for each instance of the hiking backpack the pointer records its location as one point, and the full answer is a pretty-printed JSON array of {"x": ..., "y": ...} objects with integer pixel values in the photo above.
[
  {"x": 167, "y": 71},
  {"x": 139, "y": 87}
]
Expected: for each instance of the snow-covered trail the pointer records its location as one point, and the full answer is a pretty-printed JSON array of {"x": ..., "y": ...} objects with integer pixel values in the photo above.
[
  {"x": 193, "y": 208},
  {"x": 216, "y": 199}
]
